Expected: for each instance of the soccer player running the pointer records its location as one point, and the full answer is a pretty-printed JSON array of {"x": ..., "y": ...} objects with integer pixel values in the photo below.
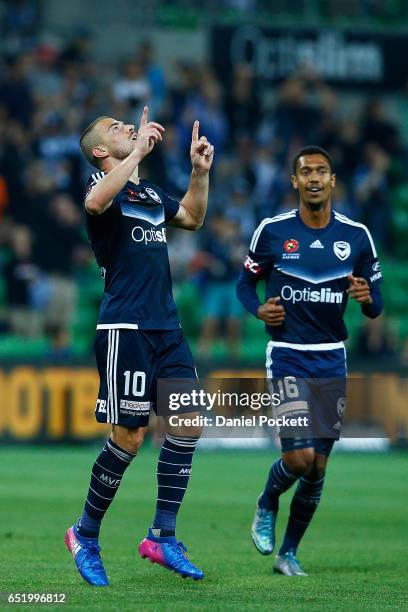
[
  {"x": 138, "y": 337},
  {"x": 312, "y": 259}
]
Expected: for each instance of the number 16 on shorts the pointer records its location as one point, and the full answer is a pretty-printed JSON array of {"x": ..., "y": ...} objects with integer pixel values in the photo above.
[{"x": 293, "y": 398}]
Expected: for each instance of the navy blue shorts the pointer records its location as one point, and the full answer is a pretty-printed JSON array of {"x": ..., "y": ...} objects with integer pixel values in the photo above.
[
  {"x": 311, "y": 382},
  {"x": 129, "y": 364}
]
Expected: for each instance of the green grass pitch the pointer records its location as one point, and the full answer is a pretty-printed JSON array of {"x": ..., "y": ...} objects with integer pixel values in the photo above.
[{"x": 355, "y": 550}]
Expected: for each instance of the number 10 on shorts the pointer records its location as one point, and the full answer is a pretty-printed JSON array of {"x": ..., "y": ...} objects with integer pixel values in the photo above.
[{"x": 138, "y": 383}]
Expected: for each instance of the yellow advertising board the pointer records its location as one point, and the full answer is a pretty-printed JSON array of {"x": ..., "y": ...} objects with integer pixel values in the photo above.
[
  {"x": 52, "y": 404},
  {"x": 56, "y": 404}
]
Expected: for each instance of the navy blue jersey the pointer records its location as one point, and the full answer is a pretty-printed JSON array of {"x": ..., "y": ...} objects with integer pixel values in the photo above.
[
  {"x": 129, "y": 242},
  {"x": 308, "y": 269}
]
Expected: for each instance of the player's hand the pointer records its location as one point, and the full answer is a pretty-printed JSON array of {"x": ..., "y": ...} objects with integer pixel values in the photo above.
[
  {"x": 272, "y": 313},
  {"x": 359, "y": 290},
  {"x": 148, "y": 134},
  {"x": 201, "y": 151}
]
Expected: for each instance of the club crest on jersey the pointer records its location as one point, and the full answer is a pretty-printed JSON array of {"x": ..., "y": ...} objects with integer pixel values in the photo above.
[
  {"x": 155, "y": 196},
  {"x": 341, "y": 249},
  {"x": 341, "y": 406}
]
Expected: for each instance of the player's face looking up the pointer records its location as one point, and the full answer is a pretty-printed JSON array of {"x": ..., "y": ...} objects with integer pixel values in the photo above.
[
  {"x": 113, "y": 138},
  {"x": 117, "y": 138},
  {"x": 314, "y": 180}
]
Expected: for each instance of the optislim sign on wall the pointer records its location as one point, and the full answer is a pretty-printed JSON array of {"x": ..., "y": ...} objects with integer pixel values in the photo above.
[{"x": 340, "y": 57}]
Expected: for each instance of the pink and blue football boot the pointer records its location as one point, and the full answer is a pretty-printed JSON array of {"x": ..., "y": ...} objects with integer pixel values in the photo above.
[
  {"x": 170, "y": 554},
  {"x": 87, "y": 558}
]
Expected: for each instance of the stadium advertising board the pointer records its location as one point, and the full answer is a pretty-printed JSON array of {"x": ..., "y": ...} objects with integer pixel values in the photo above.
[
  {"x": 58, "y": 404},
  {"x": 349, "y": 58},
  {"x": 50, "y": 404}
]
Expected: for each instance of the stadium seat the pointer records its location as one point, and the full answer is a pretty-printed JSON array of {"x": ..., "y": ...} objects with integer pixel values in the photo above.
[{"x": 22, "y": 348}]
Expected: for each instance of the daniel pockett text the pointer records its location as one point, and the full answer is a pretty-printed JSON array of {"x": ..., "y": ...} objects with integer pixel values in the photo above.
[{"x": 256, "y": 420}]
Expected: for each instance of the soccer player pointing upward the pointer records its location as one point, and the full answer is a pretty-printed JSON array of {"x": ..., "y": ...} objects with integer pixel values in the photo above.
[
  {"x": 138, "y": 336},
  {"x": 312, "y": 259}
]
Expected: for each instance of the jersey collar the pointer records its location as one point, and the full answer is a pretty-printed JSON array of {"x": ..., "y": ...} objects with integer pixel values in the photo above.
[{"x": 315, "y": 230}]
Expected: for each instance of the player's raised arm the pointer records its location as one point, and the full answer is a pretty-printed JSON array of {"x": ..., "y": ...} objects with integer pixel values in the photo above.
[
  {"x": 193, "y": 206},
  {"x": 119, "y": 154}
]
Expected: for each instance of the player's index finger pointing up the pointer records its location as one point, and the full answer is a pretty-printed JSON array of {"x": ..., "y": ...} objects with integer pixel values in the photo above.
[
  {"x": 143, "y": 120},
  {"x": 194, "y": 136}
]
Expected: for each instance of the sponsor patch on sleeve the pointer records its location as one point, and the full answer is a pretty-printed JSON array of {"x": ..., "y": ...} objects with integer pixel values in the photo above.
[{"x": 251, "y": 265}]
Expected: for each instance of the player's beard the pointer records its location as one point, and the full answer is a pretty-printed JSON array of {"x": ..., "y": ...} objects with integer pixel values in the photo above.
[{"x": 123, "y": 151}]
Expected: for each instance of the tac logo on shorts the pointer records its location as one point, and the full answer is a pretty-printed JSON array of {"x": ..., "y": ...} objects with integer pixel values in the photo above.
[
  {"x": 134, "y": 406},
  {"x": 153, "y": 194},
  {"x": 341, "y": 249},
  {"x": 341, "y": 406},
  {"x": 291, "y": 245}
]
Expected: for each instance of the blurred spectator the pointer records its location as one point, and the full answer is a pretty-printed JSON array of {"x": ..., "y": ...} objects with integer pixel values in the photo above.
[
  {"x": 239, "y": 208},
  {"x": 243, "y": 105},
  {"x": 349, "y": 147},
  {"x": 20, "y": 275},
  {"x": 133, "y": 88},
  {"x": 185, "y": 86},
  {"x": 297, "y": 120},
  {"x": 342, "y": 203},
  {"x": 377, "y": 128},
  {"x": 376, "y": 340},
  {"x": 169, "y": 165},
  {"x": 79, "y": 49},
  {"x": 58, "y": 240},
  {"x": 221, "y": 260},
  {"x": 270, "y": 183},
  {"x": 60, "y": 350},
  {"x": 155, "y": 75},
  {"x": 371, "y": 191},
  {"x": 20, "y": 24},
  {"x": 15, "y": 92}
]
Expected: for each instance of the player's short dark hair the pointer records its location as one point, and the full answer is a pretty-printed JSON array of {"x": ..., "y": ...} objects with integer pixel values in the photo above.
[
  {"x": 86, "y": 142},
  {"x": 311, "y": 150}
]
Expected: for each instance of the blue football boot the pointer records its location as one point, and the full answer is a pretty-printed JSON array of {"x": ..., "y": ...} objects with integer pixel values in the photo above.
[
  {"x": 263, "y": 530},
  {"x": 87, "y": 558},
  {"x": 288, "y": 565},
  {"x": 170, "y": 554}
]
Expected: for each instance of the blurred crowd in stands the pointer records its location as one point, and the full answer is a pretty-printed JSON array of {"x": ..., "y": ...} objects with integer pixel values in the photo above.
[{"x": 49, "y": 93}]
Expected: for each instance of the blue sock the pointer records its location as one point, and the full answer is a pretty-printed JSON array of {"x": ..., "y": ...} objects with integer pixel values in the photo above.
[
  {"x": 280, "y": 479},
  {"x": 106, "y": 477},
  {"x": 303, "y": 506},
  {"x": 173, "y": 473}
]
